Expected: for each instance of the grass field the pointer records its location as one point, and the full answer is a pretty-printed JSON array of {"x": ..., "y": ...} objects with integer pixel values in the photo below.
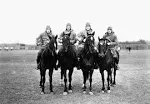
[{"x": 19, "y": 81}]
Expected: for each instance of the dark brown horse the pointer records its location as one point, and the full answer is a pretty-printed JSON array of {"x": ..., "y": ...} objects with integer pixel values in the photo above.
[
  {"x": 48, "y": 61},
  {"x": 106, "y": 62},
  {"x": 87, "y": 62},
  {"x": 66, "y": 61}
]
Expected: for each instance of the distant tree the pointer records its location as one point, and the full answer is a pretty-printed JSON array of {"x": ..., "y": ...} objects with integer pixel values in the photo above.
[{"x": 142, "y": 41}]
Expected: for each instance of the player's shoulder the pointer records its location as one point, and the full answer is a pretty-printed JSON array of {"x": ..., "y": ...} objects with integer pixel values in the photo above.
[{"x": 114, "y": 35}]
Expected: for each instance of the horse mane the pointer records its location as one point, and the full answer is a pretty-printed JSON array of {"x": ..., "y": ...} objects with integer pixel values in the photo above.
[
  {"x": 50, "y": 46},
  {"x": 86, "y": 45}
]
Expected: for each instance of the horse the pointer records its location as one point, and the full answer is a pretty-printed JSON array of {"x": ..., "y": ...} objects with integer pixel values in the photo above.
[
  {"x": 66, "y": 61},
  {"x": 87, "y": 58},
  {"x": 106, "y": 61},
  {"x": 48, "y": 61}
]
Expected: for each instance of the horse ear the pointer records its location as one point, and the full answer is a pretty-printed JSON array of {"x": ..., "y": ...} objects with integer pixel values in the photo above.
[
  {"x": 93, "y": 33},
  {"x": 98, "y": 38},
  {"x": 56, "y": 37}
]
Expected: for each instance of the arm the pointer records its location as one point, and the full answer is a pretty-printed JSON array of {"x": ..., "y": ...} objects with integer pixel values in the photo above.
[
  {"x": 115, "y": 41},
  {"x": 39, "y": 40}
]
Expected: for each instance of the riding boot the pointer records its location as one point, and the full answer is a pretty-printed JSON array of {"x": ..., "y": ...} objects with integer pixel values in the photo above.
[
  {"x": 39, "y": 59},
  {"x": 38, "y": 62},
  {"x": 38, "y": 66},
  {"x": 116, "y": 63}
]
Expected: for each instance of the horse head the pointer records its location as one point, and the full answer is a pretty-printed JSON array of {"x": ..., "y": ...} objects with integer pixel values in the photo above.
[
  {"x": 66, "y": 42},
  {"x": 53, "y": 43},
  {"x": 89, "y": 43},
  {"x": 103, "y": 46}
]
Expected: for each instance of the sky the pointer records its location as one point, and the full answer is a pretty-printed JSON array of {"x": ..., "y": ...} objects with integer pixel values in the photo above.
[{"x": 24, "y": 20}]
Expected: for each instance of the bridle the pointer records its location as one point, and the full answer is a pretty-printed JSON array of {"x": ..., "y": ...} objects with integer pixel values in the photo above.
[
  {"x": 91, "y": 39},
  {"x": 106, "y": 41}
]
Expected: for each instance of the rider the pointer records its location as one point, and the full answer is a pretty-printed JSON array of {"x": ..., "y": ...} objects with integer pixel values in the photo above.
[
  {"x": 70, "y": 32},
  {"x": 110, "y": 35},
  {"x": 41, "y": 41},
  {"x": 81, "y": 37}
]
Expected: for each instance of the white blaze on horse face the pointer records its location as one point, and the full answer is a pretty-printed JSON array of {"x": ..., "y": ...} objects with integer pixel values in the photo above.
[
  {"x": 92, "y": 38},
  {"x": 101, "y": 43}
]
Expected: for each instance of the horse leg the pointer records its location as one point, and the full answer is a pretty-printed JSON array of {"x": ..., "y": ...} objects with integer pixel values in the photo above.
[
  {"x": 70, "y": 79},
  {"x": 84, "y": 81},
  {"x": 50, "y": 79},
  {"x": 90, "y": 80},
  {"x": 42, "y": 81},
  {"x": 103, "y": 86},
  {"x": 65, "y": 81},
  {"x": 61, "y": 80},
  {"x": 108, "y": 79},
  {"x": 114, "y": 81},
  {"x": 111, "y": 82}
]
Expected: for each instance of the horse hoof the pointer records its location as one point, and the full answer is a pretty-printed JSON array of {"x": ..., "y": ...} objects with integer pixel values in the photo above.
[
  {"x": 103, "y": 91},
  {"x": 108, "y": 91},
  {"x": 84, "y": 92},
  {"x": 91, "y": 93},
  {"x": 42, "y": 93},
  {"x": 70, "y": 91},
  {"x": 64, "y": 93}
]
